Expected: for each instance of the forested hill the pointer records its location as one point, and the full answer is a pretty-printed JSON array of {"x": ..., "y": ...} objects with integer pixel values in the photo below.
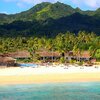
[{"x": 49, "y": 19}]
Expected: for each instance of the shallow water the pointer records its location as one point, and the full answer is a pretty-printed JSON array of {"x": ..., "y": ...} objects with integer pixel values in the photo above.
[
  {"x": 28, "y": 65},
  {"x": 54, "y": 91}
]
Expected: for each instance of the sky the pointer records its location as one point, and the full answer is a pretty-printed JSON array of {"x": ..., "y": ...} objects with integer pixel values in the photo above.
[{"x": 16, "y": 6}]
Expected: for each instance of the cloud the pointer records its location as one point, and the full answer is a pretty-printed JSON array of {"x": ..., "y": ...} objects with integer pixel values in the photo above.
[
  {"x": 3, "y": 12},
  {"x": 38, "y": 1},
  {"x": 22, "y": 3},
  {"x": 88, "y": 3},
  {"x": 31, "y": 1},
  {"x": 8, "y": 0}
]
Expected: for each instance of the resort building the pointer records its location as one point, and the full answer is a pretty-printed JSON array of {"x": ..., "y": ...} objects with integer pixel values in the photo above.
[
  {"x": 11, "y": 58},
  {"x": 19, "y": 54},
  {"x": 83, "y": 56},
  {"x": 69, "y": 56},
  {"x": 49, "y": 56},
  {"x": 7, "y": 61}
]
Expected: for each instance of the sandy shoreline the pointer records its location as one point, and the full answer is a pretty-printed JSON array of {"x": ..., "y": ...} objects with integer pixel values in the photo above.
[
  {"x": 49, "y": 78},
  {"x": 47, "y": 75}
]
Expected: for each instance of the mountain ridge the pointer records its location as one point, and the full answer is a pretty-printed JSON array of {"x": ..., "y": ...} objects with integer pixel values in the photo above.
[
  {"x": 39, "y": 10},
  {"x": 49, "y": 19}
]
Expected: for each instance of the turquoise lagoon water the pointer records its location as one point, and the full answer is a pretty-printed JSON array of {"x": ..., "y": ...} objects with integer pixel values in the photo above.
[
  {"x": 54, "y": 91},
  {"x": 28, "y": 65}
]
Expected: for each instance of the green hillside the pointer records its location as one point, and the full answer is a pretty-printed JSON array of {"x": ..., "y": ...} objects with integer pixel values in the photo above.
[{"x": 49, "y": 19}]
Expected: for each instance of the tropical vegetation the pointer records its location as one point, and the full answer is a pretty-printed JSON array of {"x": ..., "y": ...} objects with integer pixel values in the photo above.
[
  {"x": 62, "y": 43},
  {"x": 52, "y": 27}
]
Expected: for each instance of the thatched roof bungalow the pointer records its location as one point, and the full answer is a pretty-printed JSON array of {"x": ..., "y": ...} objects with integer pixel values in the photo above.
[
  {"x": 19, "y": 54},
  {"x": 49, "y": 55},
  {"x": 7, "y": 61},
  {"x": 85, "y": 56}
]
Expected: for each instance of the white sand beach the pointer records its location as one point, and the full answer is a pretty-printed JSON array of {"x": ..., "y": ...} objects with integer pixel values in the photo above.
[
  {"x": 28, "y": 75},
  {"x": 16, "y": 71}
]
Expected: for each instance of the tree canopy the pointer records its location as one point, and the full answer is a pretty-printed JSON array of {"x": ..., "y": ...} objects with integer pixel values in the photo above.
[{"x": 62, "y": 43}]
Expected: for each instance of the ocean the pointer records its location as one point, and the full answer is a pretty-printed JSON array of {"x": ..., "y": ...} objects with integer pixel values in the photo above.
[{"x": 51, "y": 91}]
